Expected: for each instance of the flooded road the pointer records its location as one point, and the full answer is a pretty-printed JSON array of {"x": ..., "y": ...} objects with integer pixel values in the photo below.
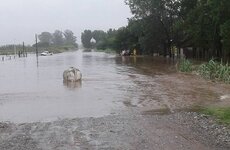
[
  {"x": 122, "y": 103},
  {"x": 32, "y": 90}
]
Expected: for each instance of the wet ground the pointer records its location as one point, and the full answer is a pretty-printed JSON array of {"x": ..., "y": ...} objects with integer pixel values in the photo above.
[{"x": 121, "y": 103}]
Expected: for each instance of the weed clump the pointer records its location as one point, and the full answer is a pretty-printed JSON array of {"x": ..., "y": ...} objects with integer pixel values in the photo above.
[{"x": 215, "y": 71}]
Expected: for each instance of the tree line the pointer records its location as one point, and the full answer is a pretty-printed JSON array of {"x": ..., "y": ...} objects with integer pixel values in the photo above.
[
  {"x": 56, "y": 42},
  {"x": 58, "y": 38},
  {"x": 200, "y": 27},
  {"x": 112, "y": 39},
  {"x": 100, "y": 39}
]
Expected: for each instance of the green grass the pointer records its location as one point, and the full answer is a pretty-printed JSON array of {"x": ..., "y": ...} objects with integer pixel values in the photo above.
[{"x": 222, "y": 114}]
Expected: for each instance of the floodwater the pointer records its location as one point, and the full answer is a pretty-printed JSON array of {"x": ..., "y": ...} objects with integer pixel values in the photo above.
[{"x": 32, "y": 90}]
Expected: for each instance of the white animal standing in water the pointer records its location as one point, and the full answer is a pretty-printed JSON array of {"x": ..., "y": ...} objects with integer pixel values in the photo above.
[{"x": 72, "y": 75}]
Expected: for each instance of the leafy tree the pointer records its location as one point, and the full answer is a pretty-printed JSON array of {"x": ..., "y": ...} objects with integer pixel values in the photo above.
[
  {"x": 99, "y": 35},
  {"x": 86, "y": 37},
  {"x": 158, "y": 19},
  {"x": 225, "y": 33},
  {"x": 201, "y": 24},
  {"x": 158, "y": 26},
  {"x": 58, "y": 38},
  {"x": 45, "y": 38},
  {"x": 70, "y": 39},
  {"x": 111, "y": 39},
  {"x": 221, "y": 18},
  {"x": 204, "y": 23},
  {"x": 125, "y": 39}
]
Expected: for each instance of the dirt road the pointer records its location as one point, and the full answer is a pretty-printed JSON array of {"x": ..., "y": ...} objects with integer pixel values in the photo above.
[{"x": 131, "y": 130}]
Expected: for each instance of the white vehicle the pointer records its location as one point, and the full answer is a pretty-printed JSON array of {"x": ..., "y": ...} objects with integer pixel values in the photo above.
[{"x": 46, "y": 53}]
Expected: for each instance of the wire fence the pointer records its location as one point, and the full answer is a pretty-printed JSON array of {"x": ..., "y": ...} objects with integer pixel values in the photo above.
[{"x": 12, "y": 57}]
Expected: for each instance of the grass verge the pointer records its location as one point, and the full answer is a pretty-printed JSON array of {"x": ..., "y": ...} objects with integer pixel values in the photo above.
[{"x": 222, "y": 114}]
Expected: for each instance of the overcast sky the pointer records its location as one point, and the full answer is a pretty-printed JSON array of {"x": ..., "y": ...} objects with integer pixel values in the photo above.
[{"x": 20, "y": 20}]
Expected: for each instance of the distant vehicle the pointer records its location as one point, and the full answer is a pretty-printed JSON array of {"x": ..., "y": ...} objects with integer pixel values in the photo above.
[
  {"x": 125, "y": 53},
  {"x": 46, "y": 53}
]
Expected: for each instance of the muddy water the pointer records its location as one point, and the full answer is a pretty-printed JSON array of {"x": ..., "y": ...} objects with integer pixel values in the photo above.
[{"x": 32, "y": 90}]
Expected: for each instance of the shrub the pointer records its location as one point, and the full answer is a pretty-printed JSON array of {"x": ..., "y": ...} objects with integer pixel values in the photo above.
[
  {"x": 215, "y": 71},
  {"x": 185, "y": 66}
]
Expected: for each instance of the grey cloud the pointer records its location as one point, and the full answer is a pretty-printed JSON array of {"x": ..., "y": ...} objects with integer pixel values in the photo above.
[{"x": 21, "y": 19}]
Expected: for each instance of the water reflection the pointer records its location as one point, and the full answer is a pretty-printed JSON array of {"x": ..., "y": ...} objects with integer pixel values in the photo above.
[
  {"x": 73, "y": 85},
  {"x": 148, "y": 65}
]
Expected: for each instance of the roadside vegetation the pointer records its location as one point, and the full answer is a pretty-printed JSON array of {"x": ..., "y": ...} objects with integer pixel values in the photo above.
[
  {"x": 222, "y": 114},
  {"x": 56, "y": 42},
  {"x": 185, "y": 65},
  {"x": 214, "y": 70},
  {"x": 211, "y": 70},
  {"x": 200, "y": 27}
]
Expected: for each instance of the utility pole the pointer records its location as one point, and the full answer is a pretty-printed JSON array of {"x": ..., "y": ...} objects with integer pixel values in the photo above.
[
  {"x": 36, "y": 37},
  {"x": 15, "y": 50},
  {"x": 23, "y": 49}
]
